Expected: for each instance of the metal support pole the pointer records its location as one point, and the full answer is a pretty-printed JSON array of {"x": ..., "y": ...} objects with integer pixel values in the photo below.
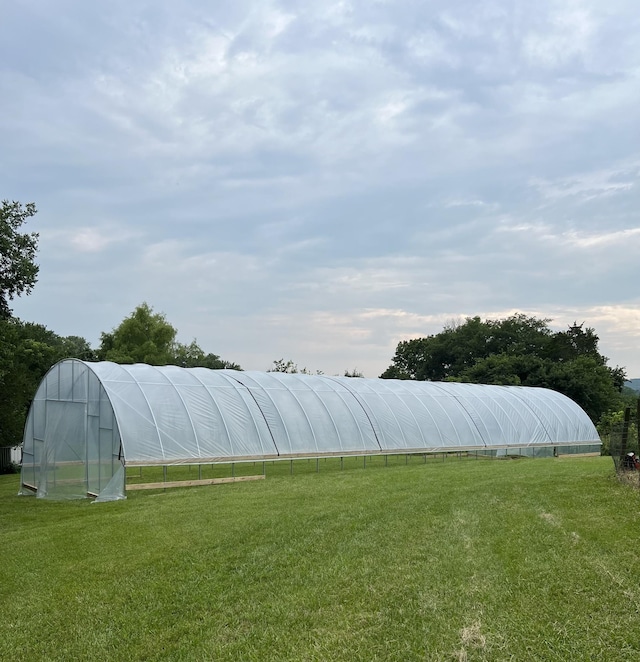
[
  {"x": 317, "y": 465},
  {"x": 638, "y": 424},
  {"x": 291, "y": 467},
  {"x": 625, "y": 432}
]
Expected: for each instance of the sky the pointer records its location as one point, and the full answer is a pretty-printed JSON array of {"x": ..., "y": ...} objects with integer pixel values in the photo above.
[{"x": 317, "y": 181}]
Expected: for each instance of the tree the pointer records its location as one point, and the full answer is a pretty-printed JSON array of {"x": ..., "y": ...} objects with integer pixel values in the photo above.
[
  {"x": 143, "y": 337},
  {"x": 518, "y": 350},
  {"x": 18, "y": 270},
  {"x": 27, "y": 351},
  {"x": 147, "y": 337},
  {"x": 353, "y": 373},
  {"x": 192, "y": 356},
  {"x": 291, "y": 368}
]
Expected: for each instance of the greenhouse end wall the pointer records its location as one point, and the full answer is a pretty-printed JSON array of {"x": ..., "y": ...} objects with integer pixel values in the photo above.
[
  {"x": 71, "y": 446},
  {"x": 90, "y": 420}
]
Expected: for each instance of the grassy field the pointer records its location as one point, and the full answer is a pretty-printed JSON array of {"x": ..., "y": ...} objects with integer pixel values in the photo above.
[{"x": 488, "y": 560}]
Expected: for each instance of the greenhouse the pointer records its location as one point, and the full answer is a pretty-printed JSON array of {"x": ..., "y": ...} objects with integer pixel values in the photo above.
[{"x": 89, "y": 421}]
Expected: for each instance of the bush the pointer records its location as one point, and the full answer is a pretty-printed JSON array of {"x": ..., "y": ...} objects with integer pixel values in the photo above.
[{"x": 10, "y": 468}]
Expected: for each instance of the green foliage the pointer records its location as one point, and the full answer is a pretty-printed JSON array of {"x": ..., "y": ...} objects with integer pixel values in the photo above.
[
  {"x": 518, "y": 350},
  {"x": 192, "y": 356},
  {"x": 143, "y": 337},
  {"x": 147, "y": 337},
  {"x": 486, "y": 560},
  {"x": 18, "y": 270},
  {"x": 353, "y": 373},
  {"x": 27, "y": 351},
  {"x": 289, "y": 367},
  {"x": 611, "y": 421}
]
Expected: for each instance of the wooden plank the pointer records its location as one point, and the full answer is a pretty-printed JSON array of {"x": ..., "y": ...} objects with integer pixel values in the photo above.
[
  {"x": 570, "y": 455},
  {"x": 191, "y": 483}
]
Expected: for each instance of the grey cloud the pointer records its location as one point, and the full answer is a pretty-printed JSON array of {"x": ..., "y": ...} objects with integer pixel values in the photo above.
[{"x": 291, "y": 168}]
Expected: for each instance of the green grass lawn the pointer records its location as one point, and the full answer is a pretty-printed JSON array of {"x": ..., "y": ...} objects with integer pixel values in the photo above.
[{"x": 488, "y": 560}]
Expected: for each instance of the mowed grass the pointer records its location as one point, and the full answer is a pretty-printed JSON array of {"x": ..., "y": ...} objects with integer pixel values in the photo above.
[{"x": 529, "y": 559}]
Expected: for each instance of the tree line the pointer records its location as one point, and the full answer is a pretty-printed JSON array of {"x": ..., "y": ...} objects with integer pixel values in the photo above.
[{"x": 517, "y": 350}]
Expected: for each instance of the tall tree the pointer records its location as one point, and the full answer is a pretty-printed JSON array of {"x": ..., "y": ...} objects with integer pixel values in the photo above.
[
  {"x": 517, "y": 350},
  {"x": 18, "y": 270},
  {"x": 143, "y": 337},
  {"x": 147, "y": 337}
]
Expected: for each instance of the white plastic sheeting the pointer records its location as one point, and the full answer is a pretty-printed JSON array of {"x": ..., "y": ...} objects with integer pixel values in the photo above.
[{"x": 89, "y": 420}]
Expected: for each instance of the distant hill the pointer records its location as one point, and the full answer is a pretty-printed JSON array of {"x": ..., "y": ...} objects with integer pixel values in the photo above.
[{"x": 633, "y": 383}]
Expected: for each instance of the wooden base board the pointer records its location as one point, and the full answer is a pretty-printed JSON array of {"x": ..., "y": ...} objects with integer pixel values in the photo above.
[{"x": 191, "y": 483}]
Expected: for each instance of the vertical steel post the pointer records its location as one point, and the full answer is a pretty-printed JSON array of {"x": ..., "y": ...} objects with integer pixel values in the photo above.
[{"x": 625, "y": 433}]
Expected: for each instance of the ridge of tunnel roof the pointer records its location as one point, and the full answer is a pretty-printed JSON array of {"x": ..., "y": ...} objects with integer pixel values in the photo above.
[{"x": 399, "y": 384}]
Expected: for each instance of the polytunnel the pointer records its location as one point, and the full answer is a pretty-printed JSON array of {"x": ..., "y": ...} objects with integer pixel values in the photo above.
[{"x": 89, "y": 421}]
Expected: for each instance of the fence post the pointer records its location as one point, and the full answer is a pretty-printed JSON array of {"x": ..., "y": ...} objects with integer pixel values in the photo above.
[{"x": 625, "y": 433}]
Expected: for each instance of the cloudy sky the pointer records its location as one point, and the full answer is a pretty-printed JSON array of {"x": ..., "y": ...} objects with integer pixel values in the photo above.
[{"x": 318, "y": 180}]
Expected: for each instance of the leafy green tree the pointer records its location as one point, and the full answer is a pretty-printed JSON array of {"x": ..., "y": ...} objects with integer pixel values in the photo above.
[
  {"x": 518, "y": 350},
  {"x": 27, "y": 351},
  {"x": 353, "y": 373},
  {"x": 147, "y": 337},
  {"x": 18, "y": 270},
  {"x": 192, "y": 356},
  {"x": 143, "y": 337}
]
